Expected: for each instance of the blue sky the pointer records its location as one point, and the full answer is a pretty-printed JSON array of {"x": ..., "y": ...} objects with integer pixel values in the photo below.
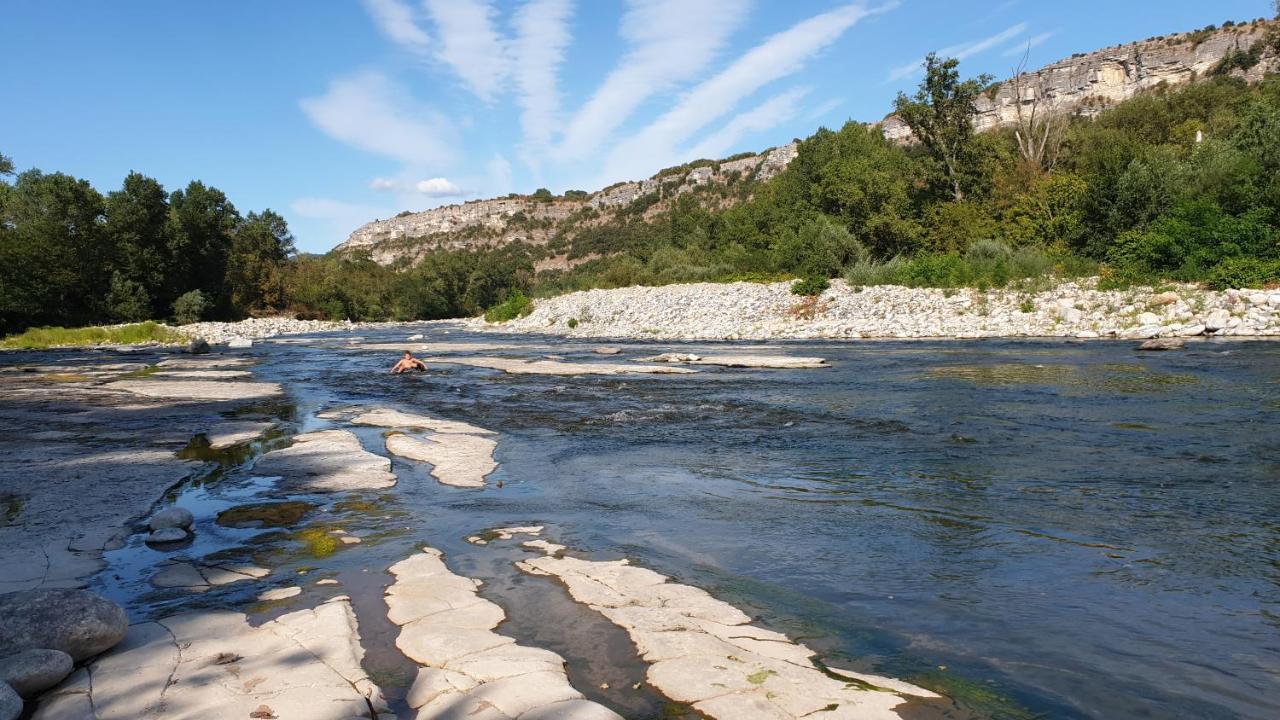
[{"x": 335, "y": 113}]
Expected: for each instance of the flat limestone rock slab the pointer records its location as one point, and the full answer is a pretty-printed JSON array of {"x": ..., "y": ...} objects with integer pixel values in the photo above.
[
  {"x": 388, "y": 418},
  {"x": 197, "y": 390},
  {"x": 705, "y": 652},
  {"x": 457, "y": 460},
  {"x": 234, "y": 433},
  {"x": 741, "y": 361},
  {"x": 557, "y": 367},
  {"x": 470, "y": 671},
  {"x": 203, "y": 374},
  {"x": 208, "y": 664},
  {"x": 207, "y": 362},
  {"x": 328, "y": 461}
]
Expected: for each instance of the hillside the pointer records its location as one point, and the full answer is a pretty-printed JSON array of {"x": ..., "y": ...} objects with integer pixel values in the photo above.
[
  {"x": 528, "y": 219},
  {"x": 1086, "y": 84}
]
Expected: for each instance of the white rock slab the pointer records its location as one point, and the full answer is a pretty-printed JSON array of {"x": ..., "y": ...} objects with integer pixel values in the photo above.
[
  {"x": 458, "y": 460},
  {"x": 556, "y": 367},
  {"x": 305, "y": 664},
  {"x": 705, "y": 652},
  {"x": 741, "y": 361},
  {"x": 470, "y": 671},
  {"x": 328, "y": 461},
  {"x": 388, "y": 418},
  {"x": 197, "y": 390}
]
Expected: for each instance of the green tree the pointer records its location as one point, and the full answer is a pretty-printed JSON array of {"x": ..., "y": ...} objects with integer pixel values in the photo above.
[
  {"x": 6, "y": 164},
  {"x": 53, "y": 257},
  {"x": 190, "y": 307},
  {"x": 941, "y": 113},
  {"x": 127, "y": 300},
  {"x": 255, "y": 263},
  {"x": 543, "y": 195},
  {"x": 137, "y": 230},
  {"x": 202, "y": 223}
]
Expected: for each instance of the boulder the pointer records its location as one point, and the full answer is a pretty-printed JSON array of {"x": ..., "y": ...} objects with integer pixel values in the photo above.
[
  {"x": 31, "y": 672},
  {"x": 239, "y": 343},
  {"x": 77, "y": 622},
  {"x": 1164, "y": 298},
  {"x": 172, "y": 517},
  {"x": 1217, "y": 320},
  {"x": 1163, "y": 344},
  {"x": 10, "y": 703},
  {"x": 1148, "y": 318},
  {"x": 166, "y": 535},
  {"x": 198, "y": 346},
  {"x": 607, "y": 351}
]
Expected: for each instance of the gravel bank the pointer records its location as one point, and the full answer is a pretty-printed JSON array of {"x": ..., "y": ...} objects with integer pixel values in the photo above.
[
  {"x": 753, "y": 311},
  {"x": 258, "y": 328}
]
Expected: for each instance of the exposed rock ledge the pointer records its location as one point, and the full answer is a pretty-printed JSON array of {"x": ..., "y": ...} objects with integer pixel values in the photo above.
[
  {"x": 732, "y": 311},
  {"x": 705, "y": 652},
  {"x": 468, "y": 670}
]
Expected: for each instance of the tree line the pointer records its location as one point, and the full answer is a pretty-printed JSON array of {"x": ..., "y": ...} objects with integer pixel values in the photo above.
[{"x": 1176, "y": 184}]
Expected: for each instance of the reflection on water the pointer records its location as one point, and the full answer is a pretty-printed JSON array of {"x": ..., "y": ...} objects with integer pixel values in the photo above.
[{"x": 1039, "y": 529}]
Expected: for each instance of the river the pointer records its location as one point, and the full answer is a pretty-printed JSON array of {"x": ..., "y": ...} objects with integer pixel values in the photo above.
[{"x": 1039, "y": 529}]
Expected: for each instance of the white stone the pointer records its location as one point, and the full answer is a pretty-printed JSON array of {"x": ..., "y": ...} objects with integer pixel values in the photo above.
[{"x": 328, "y": 461}]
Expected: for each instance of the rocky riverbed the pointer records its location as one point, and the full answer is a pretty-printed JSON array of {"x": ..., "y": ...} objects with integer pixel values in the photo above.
[{"x": 753, "y": 311}]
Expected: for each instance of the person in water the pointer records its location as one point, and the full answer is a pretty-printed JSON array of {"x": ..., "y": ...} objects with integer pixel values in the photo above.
[{"x": 407, "y": 363}]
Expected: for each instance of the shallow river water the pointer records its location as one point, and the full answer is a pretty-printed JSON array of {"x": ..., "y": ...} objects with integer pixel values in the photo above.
[{"x": 1039, "y": 529}]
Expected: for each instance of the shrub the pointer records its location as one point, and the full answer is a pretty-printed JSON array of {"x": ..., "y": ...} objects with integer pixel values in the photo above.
[
  {"x": 513, "y": 307},
  {"x": 1242, "y": 272},
  {"x": 1027, "y": 305},
  {"x": 127, "y": 301},
  {"x": 573, "y": 323},
  {"x": 190, "y": 307},
  {"x": 810, "y": 286}
]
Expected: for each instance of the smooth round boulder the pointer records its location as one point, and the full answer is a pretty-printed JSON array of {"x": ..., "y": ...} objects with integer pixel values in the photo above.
[
  {"x": 172, "y": 517},
  {"x": 77, "y": 622},
  {"x": 31, "y": 672},
  {"x": 166, "y": 535},
  {"x": 10, "y": 703},
  {"x": 198, "y": 346}
]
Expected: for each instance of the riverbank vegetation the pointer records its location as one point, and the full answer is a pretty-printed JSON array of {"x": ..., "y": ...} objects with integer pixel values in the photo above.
[
  {"x": 135, "y": 334},
  {"x": 1177, "y": 184}
]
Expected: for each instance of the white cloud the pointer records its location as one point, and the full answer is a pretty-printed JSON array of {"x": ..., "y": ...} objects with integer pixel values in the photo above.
[
  {"x": 542, "y": 36},
  {"x": 382, "y": 184},
  {"x": 1037, "y": 41},
  {"x": 369, "y": 112},
  {"x": 500, "y": 174},
  {"x": 959, "y": 52},
  {"x": 437, "y": 187},
  {"x": 670, "y": 41},
  {"x": 767, "y": 115},
  {"x": 396, "y": 20},
  {"x": 470, "y": 45},
  {"x": 824, "y": 109},
  {"x": 778, "y": 56}
]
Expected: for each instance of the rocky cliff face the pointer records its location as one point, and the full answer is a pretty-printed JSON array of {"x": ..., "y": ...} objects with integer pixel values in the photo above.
[
  {"x": 522, "y": 218},
  {"x": 1090, "y": 83}
]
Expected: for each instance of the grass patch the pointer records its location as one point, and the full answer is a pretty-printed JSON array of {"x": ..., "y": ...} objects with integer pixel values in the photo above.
[
  {"x": 136, "y": 334},
  {"x": 317, "y": 542},
  {"x": 513, "y": 307}
]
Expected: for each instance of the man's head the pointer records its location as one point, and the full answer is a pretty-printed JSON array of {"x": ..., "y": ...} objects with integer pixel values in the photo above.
[{"x": 408, "y": 355}]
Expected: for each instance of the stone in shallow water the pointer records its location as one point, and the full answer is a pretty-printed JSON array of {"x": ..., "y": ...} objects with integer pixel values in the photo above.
[
  {"x": 471, "y": 671},
  {"x": 704, "y": 651},
  {"x": 387, "y": 418},
  {"x": 77, "y": 622},
  {"x": 458, "y": 460},
  {"x": 197, "y": 390},
  {"x": 327, "y": 461},
  {"x": 1163, "y": 344},
  {"x": 553, "y": 367},
  {"x": 31, "y": 672},
  {"x": 167, "y": 535},
  {"x": 172, "y": 517},
  {"x": 10, "y": 703},
  {"x": 283, "y": 593}
]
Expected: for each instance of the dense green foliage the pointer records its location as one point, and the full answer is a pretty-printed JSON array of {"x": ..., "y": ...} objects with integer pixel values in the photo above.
[
  {"x": 513, "y": 307},
  {"x": 39, "y": 338},
  {"x": 1171, "y": 185},
  {"x": 71, "y": 256}
]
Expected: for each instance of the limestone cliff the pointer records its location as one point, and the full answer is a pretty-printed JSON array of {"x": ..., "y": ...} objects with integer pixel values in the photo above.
[
  {"x": 524, "y": 218},
  {"x": 1086, "y": 84}
]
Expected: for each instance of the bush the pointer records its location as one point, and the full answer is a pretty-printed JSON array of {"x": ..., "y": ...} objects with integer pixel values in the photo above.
[
  {"x": 127, "y": 301},
  {"x": 513, "y": 307},
  {"x": 810, "y": 286},
  {"x": 190, "y": 307},
  {"x": 1244, "y": 272},
  {"x": 573, "y": 323},
  {"x": 147, "y": 332}
]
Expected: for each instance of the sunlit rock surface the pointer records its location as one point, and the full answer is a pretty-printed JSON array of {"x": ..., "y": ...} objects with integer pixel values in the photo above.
[{"x": 328, "y": 461}]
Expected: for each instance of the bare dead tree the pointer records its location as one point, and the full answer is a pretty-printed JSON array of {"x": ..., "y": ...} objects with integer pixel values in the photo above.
[{"x": 1042, "y": 121}]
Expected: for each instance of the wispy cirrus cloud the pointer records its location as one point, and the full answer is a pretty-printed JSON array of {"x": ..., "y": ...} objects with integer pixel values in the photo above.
[
  {"x": 370, "y": 112},
  {"x": 1034, "y": 42},
  {"x": 769, "y": 114},
  {"x": 542, "y": 37},
  {"x": 669, "y": 42},
  {"x": 398, "y": 22},
  {"x": 961, "y": 51},
  {"x": 470, "y": 44},
  {"x": 778, "y": 56}
]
